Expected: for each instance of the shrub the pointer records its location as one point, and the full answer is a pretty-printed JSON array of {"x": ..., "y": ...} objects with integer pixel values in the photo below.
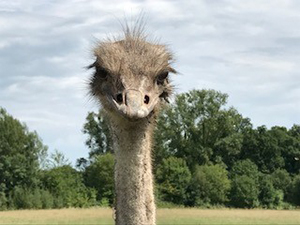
[
  {"x": 67, "y": 188},
  {"x": 244, "y": 192},
  {"x": 269, "y": 197},
  {"x": 210, "y": 185},
  {"x": 294, "y": 191},
  {"x": 47, "y": 199},
  {"x": 173, "y": 176},
  {"x": 100, "y": 176},
  {"x": 3, "y": 201},
  {"x": 281, "y": 180}
]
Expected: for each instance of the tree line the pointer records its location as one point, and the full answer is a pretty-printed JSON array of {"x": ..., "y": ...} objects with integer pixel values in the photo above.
[{"x": 206, "y": 154}]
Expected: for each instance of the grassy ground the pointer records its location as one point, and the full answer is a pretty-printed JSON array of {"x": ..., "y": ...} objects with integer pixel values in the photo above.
[{"x": 165, "y": 217}]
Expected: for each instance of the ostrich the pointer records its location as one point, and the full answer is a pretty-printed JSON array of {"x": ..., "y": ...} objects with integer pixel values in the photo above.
[{"x": 131, "y": 83}]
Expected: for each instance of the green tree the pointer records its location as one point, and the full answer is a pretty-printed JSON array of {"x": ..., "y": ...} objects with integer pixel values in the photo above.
[
  {"x": 210, "y": 185},
  {"x": 294, "y": 191},
  {"x": 173, "y": 177},
  {"x": 228, "y": 149},
  {"x": 290, "y": 144},
  {"x": 100, "y": 176},
  {"x": 245, "y": 167},
  {"x": 99, "y": 139},
  {"x": 269, "y": 196},
  {"x": 193, "y": 124},
  {"x": 58, "y": 159},
  {"x": 20, "y": 150},
  {"x": 245, "y": 184},
  {"x": 67, "y": 187},
  {"x": 244, "y": 192},
  {"x": 262, "y": 147},
  {"x": 281, "y": 180},
  {"x": 30, "y": 198}
]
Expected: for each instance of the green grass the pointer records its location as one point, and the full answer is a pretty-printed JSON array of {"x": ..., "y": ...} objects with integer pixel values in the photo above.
[{"x": 103, "y": 216}]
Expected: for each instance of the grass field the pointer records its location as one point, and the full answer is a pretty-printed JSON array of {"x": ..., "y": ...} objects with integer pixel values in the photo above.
[{"x": 164, "y": 217}]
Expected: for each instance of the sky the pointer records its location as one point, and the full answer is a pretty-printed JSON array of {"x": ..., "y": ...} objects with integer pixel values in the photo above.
[{"x": 247, "y": 49}]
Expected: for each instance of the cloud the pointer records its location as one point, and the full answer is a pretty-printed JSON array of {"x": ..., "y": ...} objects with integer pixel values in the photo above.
[{"x": 246, "y": 49}]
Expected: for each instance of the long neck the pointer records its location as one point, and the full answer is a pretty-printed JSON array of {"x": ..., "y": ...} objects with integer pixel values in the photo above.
[{"x": 133, "y": 176}]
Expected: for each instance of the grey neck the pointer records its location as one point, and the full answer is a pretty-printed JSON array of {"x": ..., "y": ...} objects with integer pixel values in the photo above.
[{"x": 133, "y": 176}]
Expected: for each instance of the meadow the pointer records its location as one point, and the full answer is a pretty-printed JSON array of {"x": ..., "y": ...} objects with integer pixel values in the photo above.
[{"x": 104, "y": 216}]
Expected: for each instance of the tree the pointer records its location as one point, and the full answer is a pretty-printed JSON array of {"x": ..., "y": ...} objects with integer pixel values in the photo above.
[
  {"x": 244, "y": 192},
  {"x": 245, "y": 167},
  {"x": 20, "y": 150},
  {"x": 99, "y": 175},
  {"x": 228, "y": 149},
  {"x": 269, "y": 196},
  {"x": 193, "y": 124},
  {"x": 210, "y": 185},
  {"x": 294, "y": 191},
  {"x": 290, "y": 144},
  {"x": 263, "y": 148},
  {"x": 99, "y": 139},
  {"x": 245, "y": 184},
  {"x": 281, "y": 180},
  {"x": 67, "y": 187},
  {"x": 173, "y": 176},
  {"x": 58, "y": 159}
]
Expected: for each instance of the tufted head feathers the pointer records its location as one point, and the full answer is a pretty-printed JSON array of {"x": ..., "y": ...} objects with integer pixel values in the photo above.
[{"x": 131, "y": 78}]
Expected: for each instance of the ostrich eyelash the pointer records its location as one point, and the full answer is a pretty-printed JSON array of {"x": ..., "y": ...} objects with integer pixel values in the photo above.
[
  {"x": 161, "y": 77},
  {"x": 101, "y": 72}
]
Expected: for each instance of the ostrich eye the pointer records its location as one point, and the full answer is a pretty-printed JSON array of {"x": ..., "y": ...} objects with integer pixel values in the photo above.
[
  {"x": 161, "y": 77},
  {"x": 101, "y": 72}
]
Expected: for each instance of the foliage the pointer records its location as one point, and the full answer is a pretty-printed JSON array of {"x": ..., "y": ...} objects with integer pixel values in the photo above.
[
  {"x": 196, "y": 121},
  {"x": 19, "y": 155},
  {"x": 294, "y": 191},
  {"x": 245, "y": 167},
  {"x": 263, "y": 148},
  {"x": 173, "y": 176},
  {"x": 199, "y": 129},
  {"x": 281, "y": 180},
  {"x": 99, "y": 139},
  {"x": 210, "y": 185},
  {"x": 58, "y": 159},
  {"x": 244, "y": 192},
  {"x": 245, "y": 181},
  {"x": 99, "y": 175},
  {"x": 23, "y": 198},
  {"x": 231, "y": 162},
  {"x": 66, "y": 185},
  {"x": 269, "y": 196}
]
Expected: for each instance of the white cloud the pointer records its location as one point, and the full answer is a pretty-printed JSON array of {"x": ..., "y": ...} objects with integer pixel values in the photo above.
[{"x": 249, "y": 50}]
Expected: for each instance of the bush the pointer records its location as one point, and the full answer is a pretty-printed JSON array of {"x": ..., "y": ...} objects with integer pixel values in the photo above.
[
  {"x": 47, "y": 199},
  {"x": 3, "y": 201},
  {"x": 210, "y": 185},
  {"x": 281, "y": 180},
  {"x": 100, "y": 176},
  {"x": 245, "y": 184},
  {"x": 269, "y": 197},
  {"x": 244, "y": 192},
  {"x": 173, "y": 176},
  {"x": 67, "y": 188},
  {"x": 294, "y": 191},
  {"x": 245, "y": 167},
  {"x": 35, "y": 198}
]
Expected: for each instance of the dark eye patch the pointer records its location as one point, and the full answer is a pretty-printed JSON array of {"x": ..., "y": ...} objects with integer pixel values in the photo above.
[
  {"x": 161, "y": 77},
  {"x": 101, "y": 72}
]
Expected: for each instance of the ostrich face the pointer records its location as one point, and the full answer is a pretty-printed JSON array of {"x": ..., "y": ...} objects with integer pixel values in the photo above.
[{"x": 131, "y": 77}]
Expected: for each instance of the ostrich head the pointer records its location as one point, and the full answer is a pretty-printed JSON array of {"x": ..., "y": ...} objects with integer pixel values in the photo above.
[{"x": 131, "y": 78}]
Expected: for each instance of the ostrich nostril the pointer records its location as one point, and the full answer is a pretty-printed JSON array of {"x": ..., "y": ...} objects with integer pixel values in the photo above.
[
  {"x": 119, "y": 98},
  {"x": 146, "y": 99}
]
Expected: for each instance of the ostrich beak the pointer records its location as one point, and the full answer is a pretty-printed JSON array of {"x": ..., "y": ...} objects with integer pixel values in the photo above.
[
  {"x": 135, "y": 105},
  {"x": 134, "y": 102}
]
